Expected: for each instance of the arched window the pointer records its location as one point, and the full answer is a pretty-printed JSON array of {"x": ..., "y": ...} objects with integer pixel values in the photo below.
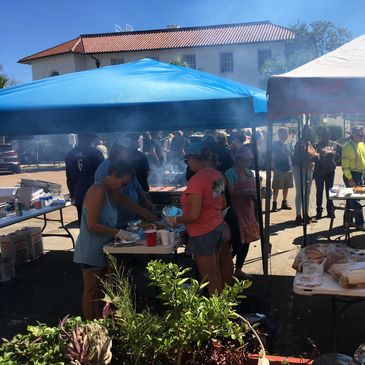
[{"x": 54, "y": 73}]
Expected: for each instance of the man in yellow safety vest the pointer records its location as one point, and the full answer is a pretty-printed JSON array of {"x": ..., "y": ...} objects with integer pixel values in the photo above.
[{"x": 353, "y": 166}]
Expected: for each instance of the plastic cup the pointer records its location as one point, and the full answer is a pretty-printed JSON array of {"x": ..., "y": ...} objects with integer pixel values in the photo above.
[
  {"x": 164, "y": 236},
  {"x": 151, "y": 237},
  {"x": 172, "y": 237}
]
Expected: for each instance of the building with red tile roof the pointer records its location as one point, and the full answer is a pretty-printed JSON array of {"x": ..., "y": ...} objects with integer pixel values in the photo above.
[{"x": 236, "y": 51}]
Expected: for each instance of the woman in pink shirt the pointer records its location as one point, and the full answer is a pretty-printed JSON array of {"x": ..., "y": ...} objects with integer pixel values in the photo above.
[{"x": 202, "y": 203}]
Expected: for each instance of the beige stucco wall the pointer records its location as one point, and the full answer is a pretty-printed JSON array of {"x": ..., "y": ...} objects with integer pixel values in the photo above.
[
  {"x": 43, "y": 68},
  {"x": 207, "y": 59}
]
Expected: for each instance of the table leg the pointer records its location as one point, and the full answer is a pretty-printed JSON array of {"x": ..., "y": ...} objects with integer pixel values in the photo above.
[
  {"x": 333, "y": 322},
  {"x": 65, "y": 228},
  {"x": 44, "y": 222},
  {"x": 68, "y": 235},
  {"x": 331, "y": 226}
]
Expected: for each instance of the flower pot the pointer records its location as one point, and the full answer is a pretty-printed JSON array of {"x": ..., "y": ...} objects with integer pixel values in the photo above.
[{"x": 279, "y": 360}]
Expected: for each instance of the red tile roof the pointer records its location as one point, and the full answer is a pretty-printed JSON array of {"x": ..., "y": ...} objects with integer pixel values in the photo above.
[{"x": 170, "y": 38}]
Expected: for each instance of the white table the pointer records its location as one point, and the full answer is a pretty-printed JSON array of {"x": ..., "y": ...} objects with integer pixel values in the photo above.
[
  {"x": 141, "y": 249},
  {"x": 329, "y": 287},
  {"x": 335, "y": 291},
  {"x": 36, "y": 213},
  {"x": 347, "y": 195}
]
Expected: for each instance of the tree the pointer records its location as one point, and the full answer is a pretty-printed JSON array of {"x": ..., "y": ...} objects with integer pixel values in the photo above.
[
  {"x": 5, "y": 80},
  {"x": 311, "y": 41}
]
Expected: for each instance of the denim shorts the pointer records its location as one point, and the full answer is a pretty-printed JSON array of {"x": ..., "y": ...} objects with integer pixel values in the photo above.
[
  {"x": 206, "y": 244},
  {"x": 90, "y": 268}
]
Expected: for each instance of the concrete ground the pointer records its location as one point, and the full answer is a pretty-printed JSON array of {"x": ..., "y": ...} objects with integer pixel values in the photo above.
[{"x": 50, "y": 287}]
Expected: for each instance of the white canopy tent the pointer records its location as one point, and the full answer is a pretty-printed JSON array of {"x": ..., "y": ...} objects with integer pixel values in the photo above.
[{"x": 332, "y": 83}]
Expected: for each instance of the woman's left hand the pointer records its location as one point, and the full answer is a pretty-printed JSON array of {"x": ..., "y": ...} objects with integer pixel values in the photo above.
[{"x": 171, "y": 220}]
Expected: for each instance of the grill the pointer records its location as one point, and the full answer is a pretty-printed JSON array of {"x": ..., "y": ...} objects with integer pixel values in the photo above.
[{"x": 166, "y": 195}]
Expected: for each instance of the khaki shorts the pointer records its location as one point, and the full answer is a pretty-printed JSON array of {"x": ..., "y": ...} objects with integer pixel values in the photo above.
[{"x": 282, "y": 179}]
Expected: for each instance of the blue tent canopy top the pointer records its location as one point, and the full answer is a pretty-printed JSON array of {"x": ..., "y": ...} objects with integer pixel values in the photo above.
[{"x": 146, "y": 94}]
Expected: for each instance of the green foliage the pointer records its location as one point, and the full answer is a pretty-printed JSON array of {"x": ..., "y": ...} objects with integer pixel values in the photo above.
[
  {"x": 192, "y": 326},
  {"x": 4, "y": 80},
  {"x": 311, "y": 41},
  {"x": 190, "y": 321},
  {"x": 135, "y": 335},
  {"x": 41, "y": 345}
]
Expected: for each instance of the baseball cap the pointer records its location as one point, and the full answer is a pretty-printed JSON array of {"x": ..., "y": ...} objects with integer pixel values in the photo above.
[{"x": 195, "y": 149}]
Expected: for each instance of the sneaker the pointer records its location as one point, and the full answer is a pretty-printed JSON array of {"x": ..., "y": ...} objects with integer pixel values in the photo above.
[
  {"x": 285, "y": 206},
  {"x": 299, "y": 220},
  {"x": 361, "y": 228},
  {"x": 319, "y": 215},
  {"x": 274, "y": 207},
  {"x": 239, "y": 274}
]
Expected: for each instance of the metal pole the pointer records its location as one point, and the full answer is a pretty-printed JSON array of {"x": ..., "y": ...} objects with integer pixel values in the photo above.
[
  {"x": 306, "y": 186},
  {"x": 264, "y": 250},
  {"x": 268, "y": 181},
  {"x": 299, "y": 142}
]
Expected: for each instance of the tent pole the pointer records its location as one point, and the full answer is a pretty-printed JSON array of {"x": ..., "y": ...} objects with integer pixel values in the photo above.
[
  {"x": 268, "y": 183},
  {"x": 259, "y": 203},
  {"x": 300, "y": 141}
]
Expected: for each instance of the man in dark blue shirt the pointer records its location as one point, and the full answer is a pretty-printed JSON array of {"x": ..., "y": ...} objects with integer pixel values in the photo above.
[
  {"x": 324, "y": 170},
  {"x": 81, "y": 164},
  {"x": 283, "y": 171}
]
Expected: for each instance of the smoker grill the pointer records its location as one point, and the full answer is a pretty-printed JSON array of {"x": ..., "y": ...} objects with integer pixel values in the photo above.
[{"x": 166, "y": 195}]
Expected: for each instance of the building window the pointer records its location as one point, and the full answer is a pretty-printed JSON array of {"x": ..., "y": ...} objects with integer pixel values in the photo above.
[
  {"x": 54, "y": 73},
  {"x": 226, "y": 62},
  {"x": 190, "y": 60},
  {"x": 263, "y": 55},
  {"x": 116, "y": 61}
]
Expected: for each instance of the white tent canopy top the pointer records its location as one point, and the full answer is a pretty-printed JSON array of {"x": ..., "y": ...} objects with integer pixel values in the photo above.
[{"x": 334, "y": 82}]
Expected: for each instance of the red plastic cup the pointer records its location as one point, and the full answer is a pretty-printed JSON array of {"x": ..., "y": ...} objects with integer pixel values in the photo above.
[{"x": 151, "y": 237}]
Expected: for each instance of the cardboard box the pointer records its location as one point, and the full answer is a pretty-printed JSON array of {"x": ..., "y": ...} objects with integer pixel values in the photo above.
[
  {"x": 34, "y": 241},
  {"x": 15, "y": 246}
]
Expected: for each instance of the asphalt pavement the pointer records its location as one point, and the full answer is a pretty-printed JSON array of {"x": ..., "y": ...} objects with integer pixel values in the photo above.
[{"x": 50, "y": 287}]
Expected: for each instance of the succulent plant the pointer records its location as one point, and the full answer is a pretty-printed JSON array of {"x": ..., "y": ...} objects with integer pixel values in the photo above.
[{"x": 87, "y": 344}]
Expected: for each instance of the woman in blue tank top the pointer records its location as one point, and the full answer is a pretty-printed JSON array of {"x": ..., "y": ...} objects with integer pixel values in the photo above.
[{"x": 98, "y": 227}]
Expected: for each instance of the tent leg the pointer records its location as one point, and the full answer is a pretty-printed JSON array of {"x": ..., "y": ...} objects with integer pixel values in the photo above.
[
  {"x": 303, "y": 189},
  {"x": 268, "y": 184},
  {"x": 259, "y": 205}
]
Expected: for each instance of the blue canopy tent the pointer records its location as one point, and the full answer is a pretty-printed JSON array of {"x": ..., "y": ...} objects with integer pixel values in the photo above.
[
  {"x": 146, "y": 94},
  {"x": 136, "y": 96}
]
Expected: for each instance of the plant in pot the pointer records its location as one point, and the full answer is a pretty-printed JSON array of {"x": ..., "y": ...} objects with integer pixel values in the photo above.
[{"x": 193, "y": 328}]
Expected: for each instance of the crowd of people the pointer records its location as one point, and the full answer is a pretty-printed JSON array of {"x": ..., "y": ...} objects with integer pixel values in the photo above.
[
  {"x": 304, "y": 162},
  {"x": 110, "y": 189},
  {"x": 218, "y": 204}
]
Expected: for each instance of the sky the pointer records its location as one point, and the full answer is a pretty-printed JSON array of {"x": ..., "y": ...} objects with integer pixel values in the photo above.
[{"x": 30, "y": 26}]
